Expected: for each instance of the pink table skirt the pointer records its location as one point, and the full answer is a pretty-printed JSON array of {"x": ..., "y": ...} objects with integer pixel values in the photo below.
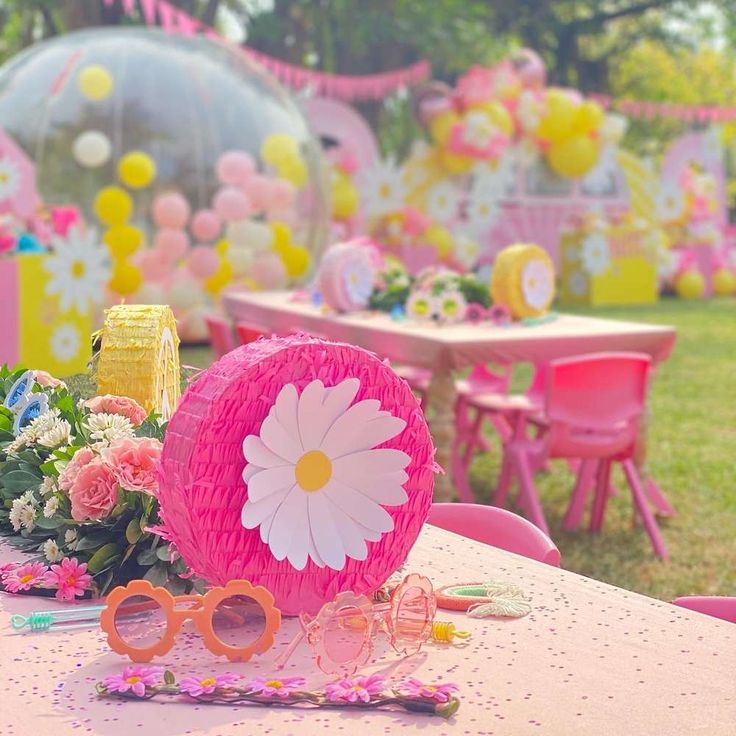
[
  {"x": 450, "y": 348},
  {"x": 589, "y": 659}
]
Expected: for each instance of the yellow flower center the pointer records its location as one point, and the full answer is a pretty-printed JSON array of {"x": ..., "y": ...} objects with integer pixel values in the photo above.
[
  {"x": 384, "y": 191},
  {"x": 133, "y": 679},
  {"x": 356, "y": 688},
  {"x": 208, "y": 682},
  {"x": 3, "y": 178},
  {"x": 26, "y": 579},
  {"x": 430, "y": 688},
  {"x": 313, "y": 470},
  {"x": 71, "y": 581},
  {"x": 275, "y": 684},
  {"x": 78, "y": 269}
]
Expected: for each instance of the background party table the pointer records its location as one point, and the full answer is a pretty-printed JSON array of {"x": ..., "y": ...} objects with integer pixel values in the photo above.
[
  {"x": 444, "y": 349},
  {"x": 589, "y": 659}
]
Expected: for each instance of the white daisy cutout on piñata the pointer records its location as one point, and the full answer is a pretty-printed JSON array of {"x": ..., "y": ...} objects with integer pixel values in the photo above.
[{"x": 317, "y": 480}]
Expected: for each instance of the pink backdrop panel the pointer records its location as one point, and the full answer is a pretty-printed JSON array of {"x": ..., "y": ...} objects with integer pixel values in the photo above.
[{"x": 9, "y": 309}]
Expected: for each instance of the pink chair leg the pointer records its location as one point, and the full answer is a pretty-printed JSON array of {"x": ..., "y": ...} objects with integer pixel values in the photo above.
[
  {"x": 528, "y": 491},
  {"x": 601, "y": 496},
  {"x": 655, "y": 495},
  {"x": 642, "y": 506},
  {"x": 583, "y": 483},
  {"x": 500, "y": 497}
]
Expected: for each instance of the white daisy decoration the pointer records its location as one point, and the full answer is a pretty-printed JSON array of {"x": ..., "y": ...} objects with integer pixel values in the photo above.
[
  {"x": 79, "y": 268},
  {"x": 467, "y": 250},
  {"x": 595, "y": 254},
  {"x": 530, "y": 110},
  {"x": 107, "y": 428},
  {"x": 358, "y": 276},
  {"x": 670, "y": 202},
  {"x": 443, "y": 201},
  {"x": 9, "y": 179},
  {"x": 537, "y": 284},
  {"x": 484, "y": 202},
  {"x": 578, "y": 283},
  {"x": 65, "y": 342},
  {"x": 382, "y": 188},
  {"x": 601, "y": 179},
  {"x": 317, "y": 482}
]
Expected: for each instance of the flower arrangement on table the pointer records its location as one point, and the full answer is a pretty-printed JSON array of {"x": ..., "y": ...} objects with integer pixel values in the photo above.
[
  {"x": 78, "y": 485},
  {"x": 360, "y": 692}
]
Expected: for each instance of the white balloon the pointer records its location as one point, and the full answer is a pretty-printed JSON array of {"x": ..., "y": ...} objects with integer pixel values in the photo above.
[
  {"x": 150, "y": 293},
  {"x": 185, "y": 293},
  {"x": 255, "y": 236},
  {"x": 241, "y": 259},
  {"x": 91, "y": 148},
  {"x": 194, "y": 325}
]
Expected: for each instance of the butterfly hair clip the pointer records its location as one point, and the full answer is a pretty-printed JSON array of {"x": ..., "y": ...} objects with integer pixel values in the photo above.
[{"x": 25, "y": 404}]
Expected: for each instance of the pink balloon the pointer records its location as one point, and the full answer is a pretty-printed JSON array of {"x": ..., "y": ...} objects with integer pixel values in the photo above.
[
  {"x": 154, "y": 265},
  {"x": 282, "y": 195},
  {"x": 170, "y": 210},
  {"x": 235, "y": 167},
  {"x": 268, "y": 271},
  {"x": 172, "y": 244},
  {"x": 231, "y": 204},
  {"x": 203, "y": 262},
  {"x": 206, "y": 225},
  {"x": 258, "y": 190},
  {"x": 530, "y": 67}
]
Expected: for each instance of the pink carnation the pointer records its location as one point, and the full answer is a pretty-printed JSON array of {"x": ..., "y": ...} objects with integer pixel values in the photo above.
[
  {"x": 94, "y": 491},
  {"x": 134, "y": 461},
  {"x": 109, "y": 404},
  {"x": 24, "y": 577},
  {"x": 71, "y": 471},
  {"x": 70, "y": 578},
  {"x": 42, "y": 378}
]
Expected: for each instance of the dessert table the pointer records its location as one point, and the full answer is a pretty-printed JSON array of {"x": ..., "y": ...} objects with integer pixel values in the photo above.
[
  {"x": 448, "y": 348},
  {"x": 589, "y": 659}
]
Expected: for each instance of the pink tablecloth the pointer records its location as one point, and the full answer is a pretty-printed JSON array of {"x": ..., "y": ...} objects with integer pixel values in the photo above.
[
  {"x": 589, "y": 659},
  {"x": 449, "y": 348}
]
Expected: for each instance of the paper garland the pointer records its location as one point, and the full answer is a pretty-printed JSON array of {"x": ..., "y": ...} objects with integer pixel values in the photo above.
[{"x": 139, "y": 356}]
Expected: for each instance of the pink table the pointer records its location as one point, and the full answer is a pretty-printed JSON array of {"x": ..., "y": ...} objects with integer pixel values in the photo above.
[
  {"x": 589, "y": 659},
  {"x": 444, "y": 349}
]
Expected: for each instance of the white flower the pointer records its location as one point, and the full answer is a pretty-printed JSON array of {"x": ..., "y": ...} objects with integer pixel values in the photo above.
[
  {"x": 483, "y": 205},
  {"x": 467, "y": 250},
  {"x": 613, "y": 128},
  {"x": 420, "y": 306},
  {"x": 79, "y": 269},
  {"x": 29, "y": 499},
  {"x": 382, "y": 188},
  {"x": 14, "y": 516},
  {"x": 65, "y": 342},
  {"x": 670, "y": 202},
  {"x": 529, "y": 110},
  {"x": 31, "y": 432},
  {"x": 108, "y": 427},
  {"x": 51, "y": 551},
  {"x": 358, "y": 275},
  {"x": 578, "y": 283},
  {"x": 595, "y": 254},
  {"x": 443, "y": 200},
  {"x": 601, "y": 178},
  {"x": 57, "y": 435},
  {"x": 9, "y": 179},
  {"x": 51, "y": 507},
  {"x": 451, "y": 306},
  {"x": 22, "y": 515},
  {"x": 316, "y": 485},
  {"x": 48, "y": 486},
  {"x": 537, "y": 284},
  {"x": 478, "y": 129},
  {"x": 70, "y": 538}
]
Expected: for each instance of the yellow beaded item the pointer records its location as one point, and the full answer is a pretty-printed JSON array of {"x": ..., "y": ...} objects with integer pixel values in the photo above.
[{"x": 139, "y": 356}]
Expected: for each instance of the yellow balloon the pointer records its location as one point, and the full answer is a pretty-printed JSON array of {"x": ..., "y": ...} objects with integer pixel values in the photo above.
[
  {"x": 281, "y": 236},
  {"x": 573, "y": 157},
  {"x": 220, "y": 278},
  {"x": 95, "y": 82},
  {"x": 126, "y": 278},
  {"x": 345, "y": 198},
  {"x": 556, "y": 124},
  {"x": 123, "y": 240},
  {"x": 498, "y": 115},
  {"x": 136, "y": 169},
  {"x": 113, "y": 205},
  {"x": 441, "y": 239},
  {"x": 222, "y": 246},
  {"x": 441, "y": 125},
  {"x": 690, "y": 285},
  {"x": 279, "y": 148},
  {"x": 724, "y": 282},
  {"x": 456, "y": 164},
  {"x": 296, "y": 260},
  {"x": 588, "y": 118},
  {"x": 293, "y": 170}
]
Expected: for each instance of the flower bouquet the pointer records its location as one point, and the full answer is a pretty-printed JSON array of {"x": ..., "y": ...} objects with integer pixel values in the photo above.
[{"x": 78, "y": 490}]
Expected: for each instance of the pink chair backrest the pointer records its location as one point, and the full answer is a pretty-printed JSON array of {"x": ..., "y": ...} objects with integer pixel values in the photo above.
[
  {"x": 497, "y": 527},
  {"x": 483, "y": 378},
  {"x": 220, "y": 333},
  {"x": 711, "y": 605},
  {"x": 247, "y": 333},
  {"x": 594, "y": 404}
]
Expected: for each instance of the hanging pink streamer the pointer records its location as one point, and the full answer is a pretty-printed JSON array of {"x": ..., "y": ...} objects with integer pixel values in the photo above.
[{"x": 651, "y": 110}]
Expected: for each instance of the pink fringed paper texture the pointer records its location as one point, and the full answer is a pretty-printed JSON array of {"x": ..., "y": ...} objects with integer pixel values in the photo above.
[{"x": 202, "y": 492}]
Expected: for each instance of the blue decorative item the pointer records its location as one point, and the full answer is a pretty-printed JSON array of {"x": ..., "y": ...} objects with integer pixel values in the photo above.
[
  {"x": 28, "y": 244},
  {"x": 397, "y": 312}
]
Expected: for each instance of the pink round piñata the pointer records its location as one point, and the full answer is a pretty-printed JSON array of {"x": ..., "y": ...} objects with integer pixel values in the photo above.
[
  {"x": 346, "y": 275},
  {"x": 301, "y": 465}
]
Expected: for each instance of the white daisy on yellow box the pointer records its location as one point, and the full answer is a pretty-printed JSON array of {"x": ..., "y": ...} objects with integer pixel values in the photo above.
[
  {"x": 443, "y": 202},
  {"x": 9, "y": 179},
  {"x": 317, "y": 478},
  {"x": 65, "y": 342},
  {"x": 382, "y": 188},
  {"x": 79, "y": 269}
]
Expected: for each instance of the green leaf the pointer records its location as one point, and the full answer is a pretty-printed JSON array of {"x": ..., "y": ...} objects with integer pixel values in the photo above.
[
  {"x": 157, "y": 575},
  {"x": 133, "y": 531},
  {"x": 147, "y": 557},
  {"x": 90, "y": 541},
  {"x": 30, "y": 457},
  {"x": 102, "y": 557},
  {"x": 19, "y": 480},
  {"x": 43, "y": 523},
  {"x": 169, "y": 678},
  {"x": 164, "y": 554},
  {"x": 65, "y": 404},
  {"x": 49, "y": 468}
]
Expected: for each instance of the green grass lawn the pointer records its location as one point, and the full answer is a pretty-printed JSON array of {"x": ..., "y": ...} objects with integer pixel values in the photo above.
[{"x": 692, "y": 455}]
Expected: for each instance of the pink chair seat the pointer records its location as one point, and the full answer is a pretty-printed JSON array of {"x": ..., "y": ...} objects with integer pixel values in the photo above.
[
  {"x": 712, "y": 605},
  {"x": 220, "y": 332},
  {"x": 496, "y": 527}
]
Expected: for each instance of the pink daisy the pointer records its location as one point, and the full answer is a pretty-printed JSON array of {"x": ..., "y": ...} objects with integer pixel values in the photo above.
[
  {"x": 70, "y": 578},
  {"x": 353, "y": 689},
  {"x": 24, "y": 577},
  {"x": 194, "y": 686},
  {"x": 135, "y": 678},
  {"x": 440, "y": 692},
  {"x": 281, "y": 688}
]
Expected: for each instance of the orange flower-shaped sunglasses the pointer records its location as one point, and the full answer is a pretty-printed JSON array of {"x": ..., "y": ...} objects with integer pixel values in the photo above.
[{"x": 235, "y": 621}]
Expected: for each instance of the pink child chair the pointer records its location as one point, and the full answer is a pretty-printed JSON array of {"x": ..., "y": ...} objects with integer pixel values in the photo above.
[
  {"x": 220, "y": 333},
  {"x": 712, "y": 605},
  {"x": 247, "y": 333},
  {"x": 593, "y": 404},
  {"x": 497, "y": 527}
]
